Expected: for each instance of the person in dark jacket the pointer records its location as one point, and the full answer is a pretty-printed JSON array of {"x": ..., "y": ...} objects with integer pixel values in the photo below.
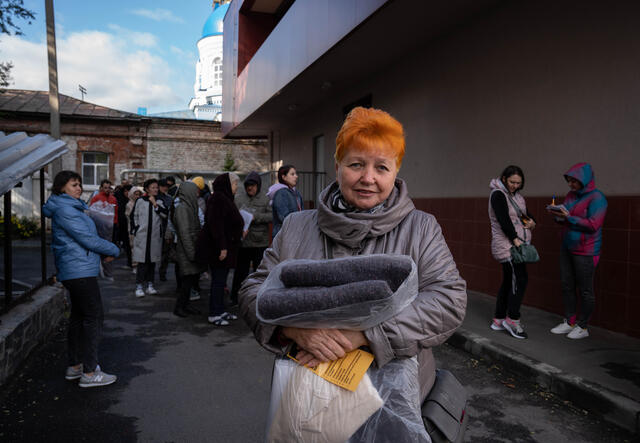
[
  {"x": 167, "y": 201},
  {"x": 77, "y": 249},
  {"x": 222, "y": 234},
  {"x": 186, "y": 225},
  {"x": 509, "y": 227},
  {"x": 122, "y": 197},
  {"x": 285, "y": 198},
  {"x": 256, "y": 239}
]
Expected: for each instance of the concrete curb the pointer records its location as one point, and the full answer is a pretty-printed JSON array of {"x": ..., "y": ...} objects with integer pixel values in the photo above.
[
  {"x": 612, "y": 406},
  {"x": 27, "y": 325}
]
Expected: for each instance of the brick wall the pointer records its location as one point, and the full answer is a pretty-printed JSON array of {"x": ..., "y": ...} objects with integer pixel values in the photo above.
[{"x": 465, "y": 223}]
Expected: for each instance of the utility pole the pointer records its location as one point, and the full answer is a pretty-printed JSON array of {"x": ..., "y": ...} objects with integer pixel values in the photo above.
[
  {"x": 82, "y": 90},
  {"x": 54, "y": 100}
]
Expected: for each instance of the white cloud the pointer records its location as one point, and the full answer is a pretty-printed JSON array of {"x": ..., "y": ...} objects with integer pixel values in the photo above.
[
  {"x": 187, "y": 56},
  {"x": 144, "y": 39},
  {"x": 159, "y": 15},
  {"x": 115, "y": 74}
]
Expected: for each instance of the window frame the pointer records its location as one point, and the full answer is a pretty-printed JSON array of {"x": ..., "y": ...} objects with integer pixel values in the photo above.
[{"x": 95, "y": 165}]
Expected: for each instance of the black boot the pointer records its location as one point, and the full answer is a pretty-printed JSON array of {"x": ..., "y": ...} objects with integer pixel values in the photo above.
[
  {"x": 181, "y": 303},
  {"x": 180, "y": 312},
  {"x": 191, "y": 310}
]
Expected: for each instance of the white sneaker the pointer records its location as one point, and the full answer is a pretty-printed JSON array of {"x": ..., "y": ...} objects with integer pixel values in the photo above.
[
  {"x": 562, "y": 328},
  {"x": 194, "y": 295},
  {"x": 139, "y": 291},
  {"x": 151, "y": 290},
  {"x": 577, "y": 332},
  {"x": 496, "y": 324},
  {"x": 217, "y": 320}
]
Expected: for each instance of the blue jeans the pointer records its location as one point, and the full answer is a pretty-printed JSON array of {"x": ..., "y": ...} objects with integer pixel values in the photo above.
[{"x": 216, "y": 297}]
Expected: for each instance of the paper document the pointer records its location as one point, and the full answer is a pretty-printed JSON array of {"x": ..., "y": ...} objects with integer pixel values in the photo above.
[
  {"x": 556, "y": 208},
  {"x": 345, "y": 372},
  {"x": 247, "y": 217}
]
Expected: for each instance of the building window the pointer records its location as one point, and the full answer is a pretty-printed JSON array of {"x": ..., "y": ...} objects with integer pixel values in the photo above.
[{"x": 95, "y": 168}]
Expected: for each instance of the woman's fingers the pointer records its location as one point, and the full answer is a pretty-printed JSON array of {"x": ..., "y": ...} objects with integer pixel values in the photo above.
[{"x": 323, "y": 344}]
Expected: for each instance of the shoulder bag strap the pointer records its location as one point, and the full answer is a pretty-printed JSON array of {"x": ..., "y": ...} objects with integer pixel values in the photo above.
[{"x": 518, "y": 212}]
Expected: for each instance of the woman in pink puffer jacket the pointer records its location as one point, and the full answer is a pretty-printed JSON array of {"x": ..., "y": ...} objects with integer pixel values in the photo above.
[{"x": 509, "y": 227}]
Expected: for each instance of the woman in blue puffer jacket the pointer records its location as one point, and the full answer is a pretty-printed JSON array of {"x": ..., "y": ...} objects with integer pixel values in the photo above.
[{"x": 77, "y": 249}]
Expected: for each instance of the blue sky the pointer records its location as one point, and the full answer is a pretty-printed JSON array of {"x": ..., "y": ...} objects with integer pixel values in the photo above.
[{"x": 125, "y": 53}]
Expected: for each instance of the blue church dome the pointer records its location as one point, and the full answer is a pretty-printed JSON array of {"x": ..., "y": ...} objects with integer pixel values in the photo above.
[{"x": 214, "y": 24}]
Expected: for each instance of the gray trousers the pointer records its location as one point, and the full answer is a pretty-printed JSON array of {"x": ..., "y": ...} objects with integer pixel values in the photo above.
[{"x": 576, "y": 272}]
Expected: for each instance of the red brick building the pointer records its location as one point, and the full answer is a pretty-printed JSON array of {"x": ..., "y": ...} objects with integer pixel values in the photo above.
[{"x": 103, "y": 141}]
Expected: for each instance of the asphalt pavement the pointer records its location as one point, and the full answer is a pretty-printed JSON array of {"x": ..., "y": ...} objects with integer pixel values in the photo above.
[{"x": 186, "y": 380}]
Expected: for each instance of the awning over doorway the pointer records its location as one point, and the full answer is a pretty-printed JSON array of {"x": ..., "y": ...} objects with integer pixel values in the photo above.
[{"x": 21, "y": 156}]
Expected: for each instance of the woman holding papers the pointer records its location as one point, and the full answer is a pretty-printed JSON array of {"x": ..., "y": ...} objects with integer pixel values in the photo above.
[
  {"x": 582, "y": 216},
  {"x": 366, "y": 211},
  {"x": 221, "y": 236},
  {"x": 255, "y": 240}
]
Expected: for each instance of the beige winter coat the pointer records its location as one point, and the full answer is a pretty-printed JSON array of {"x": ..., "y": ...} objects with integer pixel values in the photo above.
[{"x": 397, "y": 229}]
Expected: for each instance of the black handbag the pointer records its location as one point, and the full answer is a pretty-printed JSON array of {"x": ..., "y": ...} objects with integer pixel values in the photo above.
[
  {"x": 525, "y": 253},
  {"x": 444, "y": 410}
]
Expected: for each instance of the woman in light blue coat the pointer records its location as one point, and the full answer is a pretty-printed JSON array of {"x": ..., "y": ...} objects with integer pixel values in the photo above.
[{"x": 77, "y": 249}]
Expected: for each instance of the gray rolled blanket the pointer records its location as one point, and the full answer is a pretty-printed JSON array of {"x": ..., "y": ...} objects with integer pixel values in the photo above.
[
  {"x": 392, "y": 269},
  {"x": 282, "y": 302}
]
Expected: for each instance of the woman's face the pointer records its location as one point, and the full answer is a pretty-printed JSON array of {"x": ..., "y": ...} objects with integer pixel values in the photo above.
[
  {"x": 137, "y": 195},
  {"x": 291, "y": 178},
  {"x": 574, "y": 184},
  {"x": 513, "y": 183},
  {"x": 366, "y": 179},
  {"x": 73, "y": 188},
  {"x": 234, "y": 187},
  {"x": 152, "y": 189}
]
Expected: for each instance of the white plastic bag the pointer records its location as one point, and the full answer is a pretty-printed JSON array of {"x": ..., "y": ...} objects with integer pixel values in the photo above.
[
  {"x": 385, "y": 407},
  {"x": 102, "y": 214}
]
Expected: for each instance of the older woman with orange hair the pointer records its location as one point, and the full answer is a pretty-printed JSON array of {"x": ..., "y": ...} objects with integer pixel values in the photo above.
[{"x": 367, "y": 210}]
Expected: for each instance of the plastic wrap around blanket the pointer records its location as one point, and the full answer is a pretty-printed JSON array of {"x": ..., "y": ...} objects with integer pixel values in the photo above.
[{"x": 354, "y": 312}]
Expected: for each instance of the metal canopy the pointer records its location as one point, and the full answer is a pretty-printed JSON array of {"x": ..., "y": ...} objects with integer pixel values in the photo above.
[{"x": 21, "y": 156}]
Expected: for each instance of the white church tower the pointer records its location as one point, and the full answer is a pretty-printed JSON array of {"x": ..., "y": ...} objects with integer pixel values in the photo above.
[{"x": 207, "y": 101}]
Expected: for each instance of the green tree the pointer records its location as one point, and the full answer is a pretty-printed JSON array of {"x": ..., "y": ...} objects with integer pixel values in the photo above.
[
  {"x": 229, "y": 162},
  {"x": 10, "y": 10}
]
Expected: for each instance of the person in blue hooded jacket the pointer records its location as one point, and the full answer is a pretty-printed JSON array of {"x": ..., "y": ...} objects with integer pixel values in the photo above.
[
  {"x": 582, "y": 216},
  {"x": 77, "y": 249}
]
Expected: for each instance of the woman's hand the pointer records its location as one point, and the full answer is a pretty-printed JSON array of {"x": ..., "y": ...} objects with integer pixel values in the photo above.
[
  {"x": 152, "y": 200},
  {"x": 320, "y": 345},
  {"x": 529, "y": 224},
  {"x": 223, "y": 255},
  {"x": 108, "y": 259},
  {"x": 559, "y": 213},
  {"x": 517, "y": 242}
]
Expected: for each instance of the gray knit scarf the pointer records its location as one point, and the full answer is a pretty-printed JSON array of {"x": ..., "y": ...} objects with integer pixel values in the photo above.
[{"x": 339, "y": 204}]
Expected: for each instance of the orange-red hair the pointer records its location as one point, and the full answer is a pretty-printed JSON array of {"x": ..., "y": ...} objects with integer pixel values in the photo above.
[{"x": 370, "y": 130}]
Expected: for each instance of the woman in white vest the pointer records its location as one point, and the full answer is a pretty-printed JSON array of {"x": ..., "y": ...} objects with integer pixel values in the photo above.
[{"x": 510, "y": 226}]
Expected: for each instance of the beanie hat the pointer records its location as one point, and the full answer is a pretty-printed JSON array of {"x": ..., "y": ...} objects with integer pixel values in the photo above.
[{"x": 199, "y": 181}]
